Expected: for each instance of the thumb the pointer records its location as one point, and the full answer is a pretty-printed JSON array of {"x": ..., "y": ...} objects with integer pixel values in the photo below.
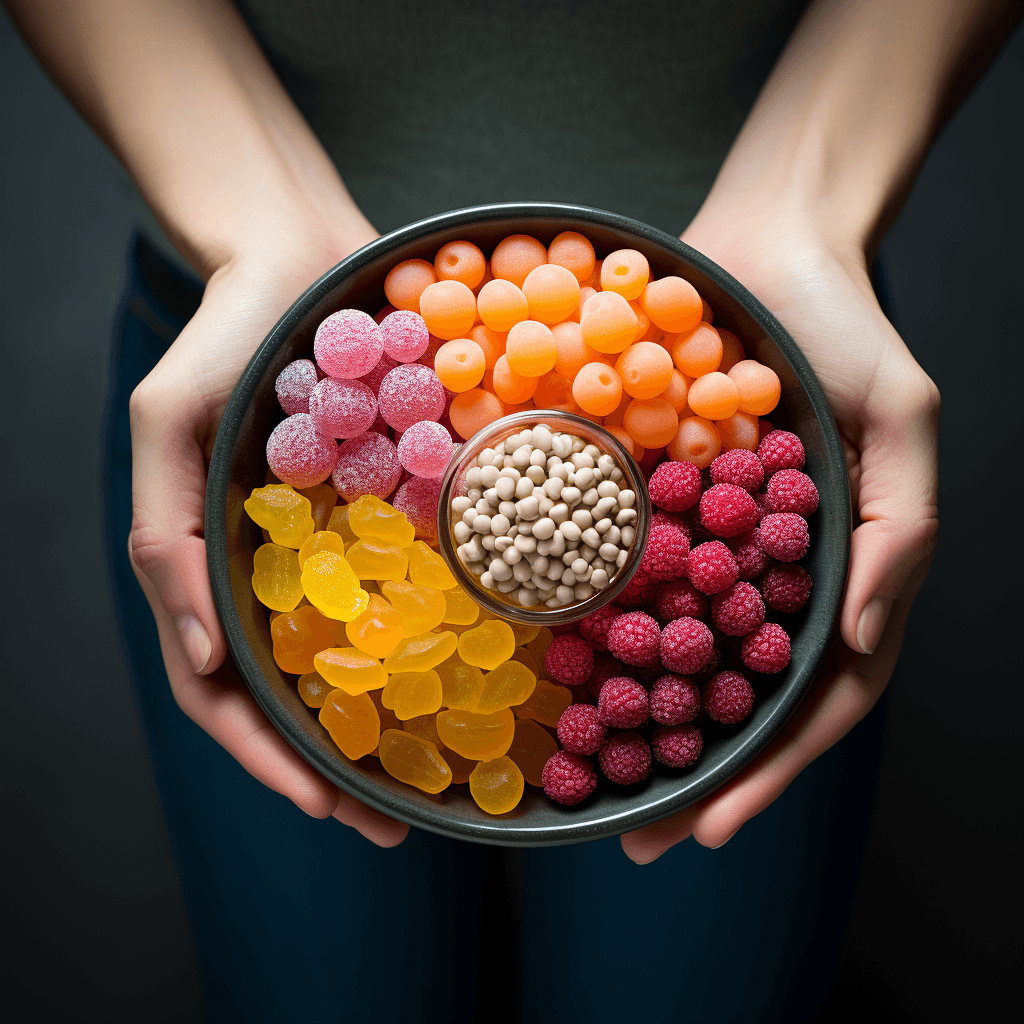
[
  {"x": 168, "y": 494},
  {"x": 898, "y": 505}
]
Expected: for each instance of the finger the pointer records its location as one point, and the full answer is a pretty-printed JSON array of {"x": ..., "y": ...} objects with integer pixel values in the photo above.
[
  {"x": 376, "y": 826},
  {"x": 898, "y": 495}
]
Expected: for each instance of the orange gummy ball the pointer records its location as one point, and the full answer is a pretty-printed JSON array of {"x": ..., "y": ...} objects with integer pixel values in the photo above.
[
  {"x": 530, "y": 348},
  {"x": 586, "y": 292},
  {"x": 607, "y": 322},
  {"x": 573, "y": 352},
  {"x": 573, "y": 251},
  {"x": 697, "y": 440},
  {"x": 673, "y": 304},
  {"x": 473, "y": 410},
  {"x": 625, "y": 271},
  {"x": 713, "y": 396},
  {"x": 449, "y": 309},
  {"x": 635, "y": 450},
  {"x": 491, "y": 342},
  {"x": 707, "y": 313},
  {"x": 460, "y": 261},
  {"x": 511, "y": 387},
  {"x": 739, "y": 431},
  {"x": 597, "y": 389},
  {"x": 732, "y": 349},
  {"x": 502, "y": 305},
  {"x": 645, "y": 369},
  {"x": 459, "y": 364},
  {"x": 651, "y": 422},
  {"x": 643, "y": 321},
  {"x": 555, "y": 392},
  {"x": 698, "y": 351},
  {"x": 758, "y": 387},
  {"x": 514, "y": 257},
  {"x": 552, "y": 292},
  {"x": 406, "y": 282},
  {"x": 676, "y": 391}
]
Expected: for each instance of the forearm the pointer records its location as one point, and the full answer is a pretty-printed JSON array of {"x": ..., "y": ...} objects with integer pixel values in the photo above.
[
  {"x": 183, "y": 96},
  {"x": 846, "y": 117}
]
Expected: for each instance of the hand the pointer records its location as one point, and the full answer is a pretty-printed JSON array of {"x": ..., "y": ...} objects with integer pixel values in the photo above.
[
  {"x": 174, "y": 416},
  {"x": 887, "y": 410}
]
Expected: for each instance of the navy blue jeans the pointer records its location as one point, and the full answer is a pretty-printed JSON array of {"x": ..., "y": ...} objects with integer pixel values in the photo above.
[{"x": 303, "y": 920}]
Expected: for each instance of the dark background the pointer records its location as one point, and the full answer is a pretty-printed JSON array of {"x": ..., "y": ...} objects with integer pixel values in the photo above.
[{"x": 92, "y": 903}]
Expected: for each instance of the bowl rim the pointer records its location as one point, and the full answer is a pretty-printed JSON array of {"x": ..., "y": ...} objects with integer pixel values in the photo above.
[{"x": 501, "y": 832}]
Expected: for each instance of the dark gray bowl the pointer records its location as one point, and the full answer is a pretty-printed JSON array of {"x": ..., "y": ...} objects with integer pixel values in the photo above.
[{"x": 239, "y": 464}]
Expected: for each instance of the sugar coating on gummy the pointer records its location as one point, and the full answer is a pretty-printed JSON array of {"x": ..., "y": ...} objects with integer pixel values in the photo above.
[
  {"x": 625, "y": 758},
  {"x": 405, "y": 335},
  {"x": 751, "y": 561},
  {"x": 711, "y": 567},
  {"x": 737, "y": 611},
  {"x": 594, "y": 628},
  {"x": 568, "y": 778},
  {"x": 663, "y": 518},
  {"x": 409, "y": 393},
  {"x": 789, "y": 490},
  {"x": 675, "y": 486},
  {"x": 342, "y": 408},
  {"x": 780, "y": 449},
  {"x": 674, "y": 699},
  {"x": 728, "y": 698},
  {"x": 634, "y": 638},
  {"x": 383, "y": 367},
  {"x": 727, "y": 510},
  {"x": 298, "y": 454},
  {"x": 783, "y": 535},
  {"x": 686, "y": 646},
  {"x": 418, "y": 498},
  {"x": 569, "y": 659},
  {"x": 664, "y": 556},
  {"x": 677, "y": 746},
  {"x": 678, "y": 598},
  {"x": 367, "y": 464},
  {"x": 580, "y": 730},
  {"x": 348, "y": 344},
  {"x": 623, "y": 704},
  {"x": 767, "y": 649},
  {"x": 738, "y": 467},
  {"x": 786, "y": 588},
  {"x": 425, "y": 449},
  {"x": 294, "y": 385}
]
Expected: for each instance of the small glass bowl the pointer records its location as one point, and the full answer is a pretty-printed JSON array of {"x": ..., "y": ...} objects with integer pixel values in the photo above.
[{"x": 454, "y": 484}]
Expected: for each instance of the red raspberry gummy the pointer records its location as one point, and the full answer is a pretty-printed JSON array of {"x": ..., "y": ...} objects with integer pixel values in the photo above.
[
  {"x": 674, "y": 699},
  {"x": 605, "y": 667},
  {"x": 664, "y": 556},
  {"x": 568, "y": 778},
  {"x": 738, "y": 467},
  {"x": 728, "y": 698},
  {"x": 594, "y": 628},
  {"x": 738, "y": 610},
  {"x": 295, "y": 384},
  {"x": 780, "y": 449},
  {"x": 367, "y": 464},
  {"x": 727, "y": 510},
  {"x": 410, "y": 393},
  {"x": 298, "y": 454},
  {"x": 580, "y": 730},
  {"x": 425, "y": 449},
  {"x": 675, "y": 486},
  {"x": 634, "y": 638},
  {"x": 342, "y": 408},
  {"x": 711, "y": 567},
  {"x": 623, "y": 704},
  {"x": 686, "y": 646},
  {"x": 750, "y": 559},
  {"x": 625, "y": 758},
  {"x": 786, "y": 588},
  {"x": 789, "y": 490},
  {"x": 784, "y": 536},
  {"x": 677, "y": 598},
  {"x": 677, "y": 746},
  {"x": 348, "y": 344},
  {"x": 418, "y": 499},
  {"x": 569, "y": 659},
  {"x": 405, "y": 335},
  {"x": 766, "y": 650}
]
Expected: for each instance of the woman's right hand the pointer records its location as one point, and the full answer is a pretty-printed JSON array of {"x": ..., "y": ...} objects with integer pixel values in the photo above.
[{"x": 175, "y": 412}]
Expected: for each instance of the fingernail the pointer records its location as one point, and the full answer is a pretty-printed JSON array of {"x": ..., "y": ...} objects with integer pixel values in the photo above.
[
  {"x": 872, "y": 622},
  {"x": 194, "y": 640}
]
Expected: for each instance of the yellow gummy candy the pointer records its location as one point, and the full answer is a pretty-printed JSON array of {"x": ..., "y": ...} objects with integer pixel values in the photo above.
[
  {"x": 411, "y": 694},
  {"x": 338, "y": 523},
  {"x": 373, "y": 559},
  {"x": 425, "y": 727},
  {"x": 509, "y": 684},
  {"x": 488, "y": 644},
  {"x": 283, "y": 512},
  {"x": 332, "y": 587},
  {"x": 369, "y": 516},
  {"x": 496, "y": 785},
  {"x": 478, "y": 737},
  {"x": 323, "y": 498},
  {"x": 414, "y": 761},
  {"x": 378, "y": 630},
  {"x": 350, "y": 670},
  {"x": 461, "y": 684},
  {"x": 276, "y": 580},
  {"x": 313, "y": 689},
  {"x": 524, "y": 634},
  {"x": 421, "y": 608},
  {"x": 322, "y": 540},
  {"x": 352, "y": 722},
  {"x": 460, "y": 608},
  {"x": 421, "y": 652},
  {"x": 427, "y": 568},
  {"x": 546, "y": 703}
]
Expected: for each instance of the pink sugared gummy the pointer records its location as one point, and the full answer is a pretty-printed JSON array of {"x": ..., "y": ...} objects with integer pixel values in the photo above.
[
  {"x": 367, "y": 464},
  {"x": 342, "y": 408},
  {"x": 405, "y": 335},
  {"x": 384, "y": 366},
  {"x": 348, "y": 344},
  {"x": 425, "y": 449},
  {"x": 418, "y": 499},
  {"x": 298, "y": 454},
  {"x": 410, "y": 393},
  {"x": 294, "y": 385}
]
